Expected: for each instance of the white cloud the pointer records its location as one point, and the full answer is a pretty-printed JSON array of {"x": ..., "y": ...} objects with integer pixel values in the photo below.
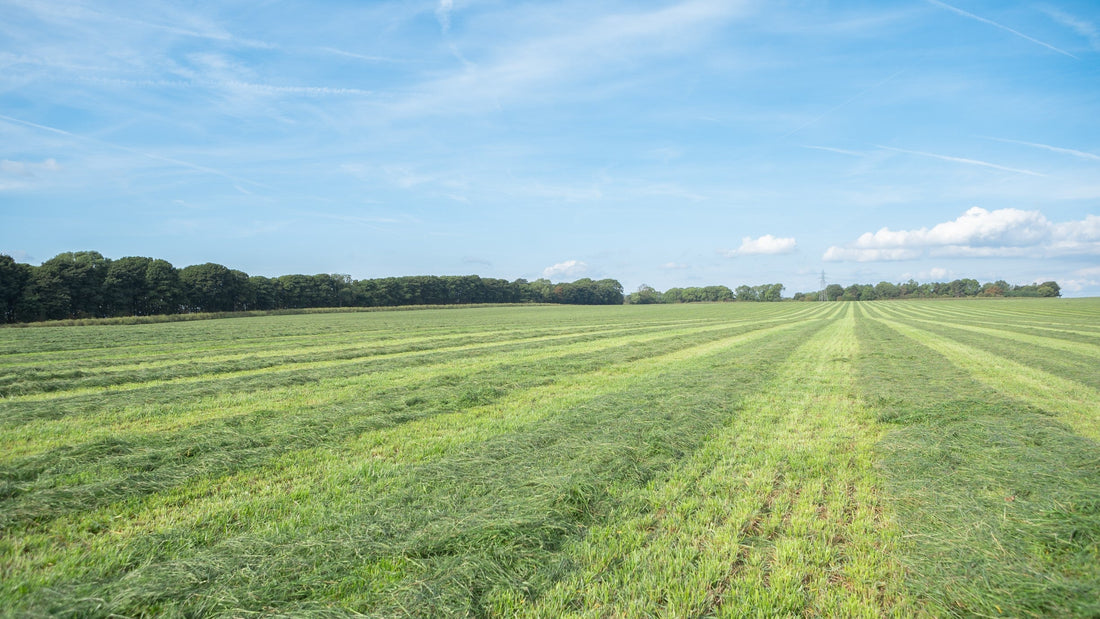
[
  {"x": 443, "y": 14},
  {"x": 674, "y": 266},
  {"x": 767, "y": 245},
  {"x": 569, "y": 268},
  {"x": 1083, "y": 278},
  {"x": 978, "y": 233}
]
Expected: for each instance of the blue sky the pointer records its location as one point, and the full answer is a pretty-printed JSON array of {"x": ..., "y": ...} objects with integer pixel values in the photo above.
[{"x": 667, "y": 143}]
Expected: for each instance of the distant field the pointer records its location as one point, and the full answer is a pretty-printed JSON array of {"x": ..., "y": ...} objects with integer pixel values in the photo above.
[{"x": 842, "y": 459}]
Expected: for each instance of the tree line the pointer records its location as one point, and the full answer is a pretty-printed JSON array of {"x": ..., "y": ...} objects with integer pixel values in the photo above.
[
  {"x": 958, "y": 288},
  {"x": 85, "y": 284},
  {"x": 706, "y": 294},
  {"x": 911, "y": 289}
]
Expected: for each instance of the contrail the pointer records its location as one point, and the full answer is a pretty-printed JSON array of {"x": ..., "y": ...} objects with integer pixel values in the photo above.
[
  {"x": 976, "y": 162},
  {"x": 1057, "y": 149},
  {"x": 127, "y": 149},
  {"x": 843, "y": 103},
  {"x": 1001, "y": 26}
]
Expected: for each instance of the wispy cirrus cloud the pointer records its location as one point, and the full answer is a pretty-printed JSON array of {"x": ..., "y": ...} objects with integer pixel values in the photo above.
[
  {"x": 1057, "y": 149},
  {"x": 839, "y": 151},
  {"x": 959, "y": 11},
  {"x": 540, "y": 64},
  {"x": 766, "y": 245},
  {"x": 147, "y": 155},
  {"x": 978, "y": 233},
  {"x": 15, "y": 175},
  {"x": 1082, "y": 27},
  {"x": 964, "y": 160},
  {"x": 443, "y": 14}
]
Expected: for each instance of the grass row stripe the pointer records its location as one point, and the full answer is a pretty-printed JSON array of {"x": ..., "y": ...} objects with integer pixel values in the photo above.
[
  {"x": 1077, "y": 404},
  {"x": 349, "y": 474},
  {"x": 778, "y": 514}
]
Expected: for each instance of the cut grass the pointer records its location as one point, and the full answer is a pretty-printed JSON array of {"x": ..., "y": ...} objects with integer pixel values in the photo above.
[
  {"x": 777, "y": 514},
  {"x": 697, "y": 460},
  {"x": 458, "y": 516},
  {"x": 998, "y": 499}
]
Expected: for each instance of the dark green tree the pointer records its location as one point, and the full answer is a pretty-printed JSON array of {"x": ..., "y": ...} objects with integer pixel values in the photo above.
[
  {"x": 212, "y": 287},
  {"x": 162, "y": 281},
  {"x": 80, "y": 275},
  {"x": 126, "y": 287},
  {"x": 1050, "y": 289},
  {"x": 14, "y": 277}
]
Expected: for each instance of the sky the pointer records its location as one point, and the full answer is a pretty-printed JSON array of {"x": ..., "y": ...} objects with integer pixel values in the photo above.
[{"x": 668, "y": 143}]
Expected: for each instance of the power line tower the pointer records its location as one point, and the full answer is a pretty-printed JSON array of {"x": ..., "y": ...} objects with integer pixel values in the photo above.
[{"x": 823, "y": 297}]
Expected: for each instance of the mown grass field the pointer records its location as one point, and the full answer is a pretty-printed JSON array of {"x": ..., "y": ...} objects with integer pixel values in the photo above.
[{"x": 845, "y": 459}]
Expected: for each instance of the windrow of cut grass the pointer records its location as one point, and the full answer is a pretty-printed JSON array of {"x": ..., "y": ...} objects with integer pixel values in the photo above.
[
  {"x": 79, "y": 450},
  {"x": 994, "y": 478},
  {"x": 1048, "y": 378},
  {"x": 452, "y": 524},
  {"x": 842, "y": 459},
  {"x": 779, "y": 513},
  {"x": 212, "y": 357}
]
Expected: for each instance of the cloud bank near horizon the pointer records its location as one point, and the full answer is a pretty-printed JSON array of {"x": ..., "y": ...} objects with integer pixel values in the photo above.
[{"x": 977, "y": 233}]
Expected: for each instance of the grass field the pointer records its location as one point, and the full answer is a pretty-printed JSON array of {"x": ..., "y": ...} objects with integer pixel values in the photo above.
[{"x": 845, "y": 459}]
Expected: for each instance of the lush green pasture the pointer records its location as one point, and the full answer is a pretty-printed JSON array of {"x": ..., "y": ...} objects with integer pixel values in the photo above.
[{"x": 842, "y": 459}]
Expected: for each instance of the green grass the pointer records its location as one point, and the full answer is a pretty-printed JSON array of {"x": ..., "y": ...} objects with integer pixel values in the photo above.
[{"x": 698, "y": 460}]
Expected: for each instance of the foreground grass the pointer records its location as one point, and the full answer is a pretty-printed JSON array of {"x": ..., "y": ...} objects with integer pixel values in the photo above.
[
  {"x": 717, "y": 460},
  {"x": 778, "y": 513},
  {"x": 993, "y": 468}
]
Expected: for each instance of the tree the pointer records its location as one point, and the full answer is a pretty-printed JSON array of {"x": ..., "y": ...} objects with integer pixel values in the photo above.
[
  {"x": 886, "y": 290},
  {"x": 162, "y": 281},
  {"x": 717, "y": 293},
  {"x": 673, "y": 295},
  {"x": 45, "y": 297},
  {"x": 746, "y": 293},
  {"x": 833, "y": 292},
  {"x": 609, "y": 292},
  {"x": 126, "y": 286},
  {"x": 212, "y": 287},
  {"x": 13, "y": 280},
  {"x": 76, "y": 278},
  {"x": 265, "y": 292},
  {"x": 1050, "y": 289},
  {"x": 909, "y": 288},
  {"x": 991, "y": 289},
  {"x": 70, "y": 285},
  {"x": 773, "y": 292},
  {"x": 645, "y": 295}
]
